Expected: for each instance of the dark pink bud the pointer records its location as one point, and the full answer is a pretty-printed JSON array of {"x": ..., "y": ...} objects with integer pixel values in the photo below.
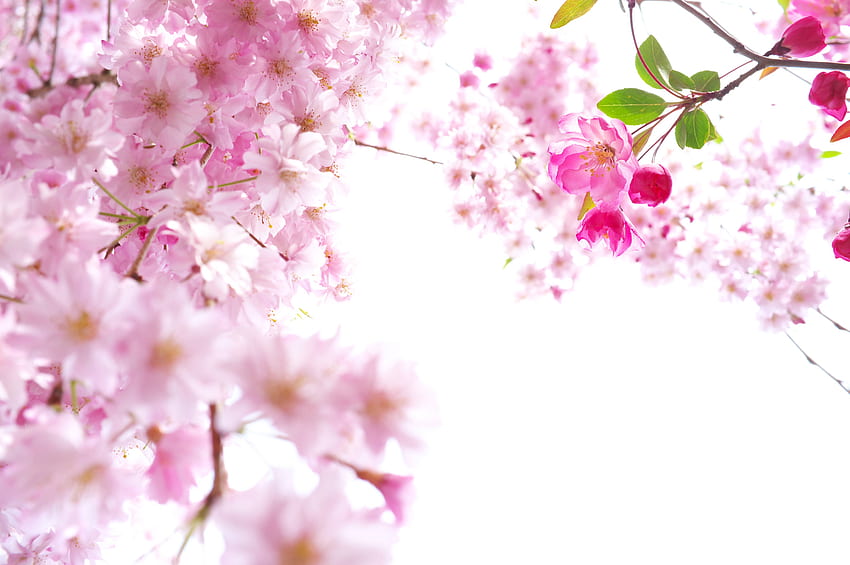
[
  {"x": 803, "y": 38},
  {"x": 651, "y": 185},
  {"x": 468, "y": 79},
  {"x": 483, "y": 61},
  {"x": 841, "y": 244},
  {"x": 829, "y": 91}
]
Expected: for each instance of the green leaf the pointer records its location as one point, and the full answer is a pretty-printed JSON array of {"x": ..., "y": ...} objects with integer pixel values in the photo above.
[
  {"x": 640, "y": 140},
  {"x": 706, "y": 81},
  {"x": 586, "y": 206},
  {"x": 679, "y": 81},
  {"x": 657, "y": 62},
  {"x": 507, "y": 262},
  {"x": 633, "y": 106},
  {"x": 785, "y": 4},
  {"x": 693, "y": 129},
  {"x": 828, "y": 154},
  {"x": 569, "y": 11}
]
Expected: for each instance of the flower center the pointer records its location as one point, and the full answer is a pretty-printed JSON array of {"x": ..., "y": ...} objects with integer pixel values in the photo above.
[
  {"x": 157, "y": 103},
  {"x": 82, "y": 328},
  {"x": 600, "y": 158}
]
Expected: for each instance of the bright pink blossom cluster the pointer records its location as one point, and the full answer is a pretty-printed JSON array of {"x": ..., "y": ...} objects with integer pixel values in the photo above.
[
  {"x": 594, "y": 157},
  {"x": 167, "y": 204}
]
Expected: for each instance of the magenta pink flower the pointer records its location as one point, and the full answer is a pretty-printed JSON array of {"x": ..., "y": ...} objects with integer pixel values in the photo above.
[
  {"x": 829, "y": 91},
  {"x": 595, "y": 155},
  {"x": 803, "y": 38},
  {"x": 651, "y": 185},
  {"x": 841, "y": 244},
  {"x": 608, "y": 223}
]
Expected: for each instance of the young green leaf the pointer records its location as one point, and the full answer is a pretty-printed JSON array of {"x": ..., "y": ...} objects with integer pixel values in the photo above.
[
  {"x": 830, "y": 154},
  {"x": 640, "y": 140},
  {"x": 680, "y": 81},
  {"x": 657, "y": 62},
  {"x": 569, "y": 11},
  {"x": 785, "y": 4},
  {"x": 693, "y": 129},
  {"x": 586, "y": 206},
  {"x": 706, "y": 81},
  {"x": 633, "y": 106}
]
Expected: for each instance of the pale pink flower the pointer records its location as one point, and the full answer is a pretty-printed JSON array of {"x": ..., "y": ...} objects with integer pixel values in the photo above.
[
  {"x": 60, "y": 478},
  {"x": 79, "y": 320},
  {"x": 290, "y": 380},
  {"x": 182, "y": 456},
  {"x": 74, "y": 141},
  {"x": 319, "y": 25},
  {"x": 594, "y": 155},
  {"x": 245, "y": 20},
  {"x": 160, "y": 104},
  {"x": 21, "y": 233},
  {"x": 273, "y": 523},
  {"x": 388, "y": 401},
  {"x": 831, "y": 13},
  {"x": 188, "y": 193},
  {"x": 178, "y": 356},
  {"x": 288, "y": 174}
]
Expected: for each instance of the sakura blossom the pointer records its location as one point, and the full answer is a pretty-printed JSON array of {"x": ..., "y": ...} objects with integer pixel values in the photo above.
[{"x": 172, "y": 176}]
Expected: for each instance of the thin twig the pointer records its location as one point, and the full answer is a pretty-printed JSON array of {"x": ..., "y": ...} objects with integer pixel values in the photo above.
[
  {"x": 818, "y": 365},
  {"x": 55, "y": 45},
  {"x": 834, "y": 323},
  {"x": 394, "y": 152},
  {"x": 133, "y": 273}
]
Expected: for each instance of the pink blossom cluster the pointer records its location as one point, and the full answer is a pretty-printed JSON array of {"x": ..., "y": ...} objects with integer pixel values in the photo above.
[
  {"x": 741, "y": 221},
  {"x": 746, "y": 220},
  {"x": 493, "y": 143},
  {"x": 168, "y": 190}
]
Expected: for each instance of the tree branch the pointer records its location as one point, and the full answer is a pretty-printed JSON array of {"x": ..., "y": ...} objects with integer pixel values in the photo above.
[
  {"x": 818, "y": 365},
  {"x": 742, "y": 49}
]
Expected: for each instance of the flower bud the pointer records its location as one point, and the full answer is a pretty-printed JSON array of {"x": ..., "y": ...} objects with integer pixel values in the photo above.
[
  {"x": 651, "y": 185},
  {"x": 829, "y": 91},
  {"x": 803, "y": 38},
  {"x": 841, "y": 244}
]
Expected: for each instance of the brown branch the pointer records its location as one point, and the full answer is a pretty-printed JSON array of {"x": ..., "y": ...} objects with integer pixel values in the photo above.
[
  {"x": 742, "y": 49},
  {"x": 96, "y": 79},
  {"x": 394, "y": 152},
  {"x": 133, "y": 273},
  {"x": 55, "y": 44}
]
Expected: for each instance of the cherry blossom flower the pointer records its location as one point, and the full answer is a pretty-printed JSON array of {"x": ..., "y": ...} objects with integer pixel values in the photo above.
[
  {"x": 273, "y": 521},
  {"x": 161, "y": 104},
  {"x": 608, "y": 223},
  {"x": 829, "y": 91},
  {"x": 593, "y": 155},
  {"x": 78, "y": 320}
]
